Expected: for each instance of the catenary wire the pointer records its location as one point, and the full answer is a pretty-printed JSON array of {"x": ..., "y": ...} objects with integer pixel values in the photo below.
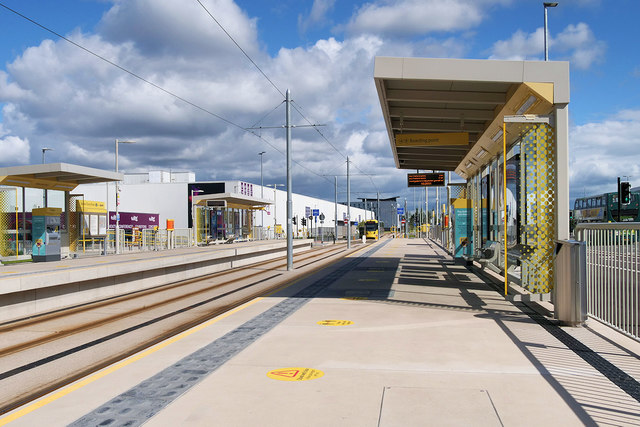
[
  {"x": 241, "y": 49},
  {"x": 295, "y": 106},
  {"x": 131, "y": 73}
]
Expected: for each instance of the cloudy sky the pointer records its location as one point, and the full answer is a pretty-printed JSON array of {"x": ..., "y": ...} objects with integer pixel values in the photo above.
[{"x": 202, "y": 90}]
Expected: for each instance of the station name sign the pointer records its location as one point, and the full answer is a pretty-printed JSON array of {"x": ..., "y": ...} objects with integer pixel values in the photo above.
[
  {"x": 431, "y": 139},
  {"x": 425, "y": 179}
]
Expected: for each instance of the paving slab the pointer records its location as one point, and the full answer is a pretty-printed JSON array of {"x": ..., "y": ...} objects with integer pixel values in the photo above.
[{"x": 426, "y": 343}]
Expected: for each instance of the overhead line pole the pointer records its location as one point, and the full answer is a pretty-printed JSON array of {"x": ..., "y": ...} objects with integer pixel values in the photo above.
[
  {"x": 348, "y": 207},
  {"x": 378, "y": 212},
  {"x": 335, "y": 222},
  {"x": 289, "y": 202}
]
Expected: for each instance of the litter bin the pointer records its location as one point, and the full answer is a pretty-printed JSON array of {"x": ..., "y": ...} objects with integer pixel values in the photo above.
[{"x": 570, "y": 299}]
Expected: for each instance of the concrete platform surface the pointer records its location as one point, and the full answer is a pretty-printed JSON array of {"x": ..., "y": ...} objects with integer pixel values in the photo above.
[{"x": 394, "y": 335}]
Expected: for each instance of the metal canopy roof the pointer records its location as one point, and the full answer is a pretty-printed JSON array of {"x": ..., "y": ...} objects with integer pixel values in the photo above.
[
  {"x": 55, "y": 176},
  {"x": 445, "y": 96},
  {"x": 233, "y": 200}
]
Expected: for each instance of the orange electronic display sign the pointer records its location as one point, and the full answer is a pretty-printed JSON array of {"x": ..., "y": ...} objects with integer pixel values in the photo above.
[{"x": 425, "y": 179}]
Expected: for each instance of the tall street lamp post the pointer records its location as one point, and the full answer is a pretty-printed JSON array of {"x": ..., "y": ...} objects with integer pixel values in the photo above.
[
  {"x": 262, "y": 197},
  {"x": 118, "y": 197},
  {"x": 546, "y": 31},
  {"x": 44, "y": 194}
]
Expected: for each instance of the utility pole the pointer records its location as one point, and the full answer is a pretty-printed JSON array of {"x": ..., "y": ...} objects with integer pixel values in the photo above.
[
  {"x": 426, "y": 203},
  {"x": 289, "y": 202},
  {"x": 261, "y": 196},
  {"x": 406, "y": 215},
  {"x": 378, "y": 212},
  {"x": 335, "y": 222},
  {"x": 348, "y": 207}
]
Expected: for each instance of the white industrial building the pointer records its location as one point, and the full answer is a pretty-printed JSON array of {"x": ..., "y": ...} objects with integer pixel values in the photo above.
[{"x": 222, "y": 209}]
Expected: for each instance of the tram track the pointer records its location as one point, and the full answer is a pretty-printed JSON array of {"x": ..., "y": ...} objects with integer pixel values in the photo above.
[{"x": 152, "y": 316}]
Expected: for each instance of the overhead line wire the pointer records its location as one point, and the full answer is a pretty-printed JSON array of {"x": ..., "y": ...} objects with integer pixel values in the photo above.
[
  {"x": 131, "y": 73},
  {"x": 241, "y": 49},
  {"x": 278, "y": 89}
]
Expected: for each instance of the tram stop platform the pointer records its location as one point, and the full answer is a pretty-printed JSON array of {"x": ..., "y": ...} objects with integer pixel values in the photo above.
[
  {"x": 31, "y": 288},
  {"x": 395, "y": 334}
]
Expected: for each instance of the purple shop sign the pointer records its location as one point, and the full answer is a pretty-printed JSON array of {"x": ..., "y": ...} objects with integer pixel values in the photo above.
[{"x": 129, "y": 220}]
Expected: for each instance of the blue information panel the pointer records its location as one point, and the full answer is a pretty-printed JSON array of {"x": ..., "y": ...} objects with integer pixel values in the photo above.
[
  {"x": 400, "y": 211},
  {"x": 316, "y": 212},
  {"x": 463, "y": 221}
]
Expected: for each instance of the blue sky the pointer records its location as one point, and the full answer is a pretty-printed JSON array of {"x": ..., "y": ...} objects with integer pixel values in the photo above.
[{"x": 53, "y": 94}]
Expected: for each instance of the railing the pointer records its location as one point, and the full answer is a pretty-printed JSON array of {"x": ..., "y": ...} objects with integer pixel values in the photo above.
[
  {"x": 613, "y": 274},
  {"x": 441, "y": 234},
  {"x": 138, "y": 240}
]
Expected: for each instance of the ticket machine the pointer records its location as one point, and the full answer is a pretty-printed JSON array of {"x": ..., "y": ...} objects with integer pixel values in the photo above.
[{"x": 45, "y": 229}]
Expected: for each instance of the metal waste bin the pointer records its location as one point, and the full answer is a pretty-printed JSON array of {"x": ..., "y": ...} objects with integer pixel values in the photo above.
[{"x": 570, "y": 299}]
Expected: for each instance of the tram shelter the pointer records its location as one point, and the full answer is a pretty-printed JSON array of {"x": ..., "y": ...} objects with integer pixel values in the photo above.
[
  {"x": 503, "y": 127},
  {"x": 51, "y": 176},
  {"x": 225, "y": 216}
]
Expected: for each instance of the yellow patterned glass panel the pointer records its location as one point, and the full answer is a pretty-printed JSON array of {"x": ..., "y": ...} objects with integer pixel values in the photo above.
[{"x": 538, "y": 207}]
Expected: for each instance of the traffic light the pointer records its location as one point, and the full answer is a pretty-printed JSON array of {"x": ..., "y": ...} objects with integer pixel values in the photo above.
[
  {"x": 293, "y": 220},
  {"x": 304, "y": 221},
  {"x": 625, "y": 193}
]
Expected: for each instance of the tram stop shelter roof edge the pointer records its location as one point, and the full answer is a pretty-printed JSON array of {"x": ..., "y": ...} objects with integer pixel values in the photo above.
[
  {"x": 431, "y": 102},
  {"x": 55, "y": 176},
  {"x": 231, "y": 200}
]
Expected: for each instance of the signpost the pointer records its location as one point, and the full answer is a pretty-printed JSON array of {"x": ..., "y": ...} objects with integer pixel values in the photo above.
[
  {"x": 425, "y": 179},
  {"x": 432, "y": 139}
]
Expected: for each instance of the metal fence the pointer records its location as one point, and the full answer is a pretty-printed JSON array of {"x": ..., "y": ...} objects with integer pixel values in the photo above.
[
  {"x": 138, "y": 240},
  {"x": 441, "y": 234},
  {"x": 613, "y": 274}
]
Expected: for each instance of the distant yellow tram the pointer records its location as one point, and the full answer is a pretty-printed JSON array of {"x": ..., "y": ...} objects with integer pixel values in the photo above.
[{"x": 371, "y": 229}]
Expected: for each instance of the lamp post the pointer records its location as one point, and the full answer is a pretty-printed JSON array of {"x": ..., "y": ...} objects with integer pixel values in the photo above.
[
  {"x": 44, "y": 194},
  {"x": 261, "y": 196},
  {"x": 117, "y": 197},
  {"x": 275, "y": 207},
  {"x": 193, "y": 215},
  {"x": 44, "y": 150},
  {"x": 546, "y": 48}
]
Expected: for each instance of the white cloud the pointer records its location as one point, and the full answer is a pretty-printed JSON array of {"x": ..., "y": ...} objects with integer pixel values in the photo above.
[
  {"x": 14, "y": 150},
  {"x": 60, "y": 96},
  {"x": 317, "y": 16},
  {"x": 575, "y": 43},
  {"x": 520, "y": 46},
  {"x": 417, "y": 17},
  {"x": 602, "y": 151},
  {"x": 579, "y": 42}
]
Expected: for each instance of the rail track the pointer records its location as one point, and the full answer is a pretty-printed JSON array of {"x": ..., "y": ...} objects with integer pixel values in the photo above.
[{"x": 43, "y": 353}]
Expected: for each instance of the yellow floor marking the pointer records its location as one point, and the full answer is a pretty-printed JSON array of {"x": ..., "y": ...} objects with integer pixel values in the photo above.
[
  {"x": 354, "y": 298},
  {"x": 295, "y": 374},
  {"x": 69, "y": 389},
  {"x": 368, "y": 280},
  {"x": 75, "y": 386},
  {"x": 382, "y": 262},
  {"x": 9, "y": 272},
  {"x": 334, "y": 322}
]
